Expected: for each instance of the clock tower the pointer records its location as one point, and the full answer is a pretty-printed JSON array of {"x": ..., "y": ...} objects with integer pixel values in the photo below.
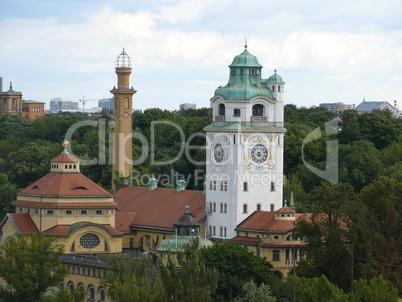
[
  {"x": 123, "y": 107},
  {"x": 244, "y": 169}
]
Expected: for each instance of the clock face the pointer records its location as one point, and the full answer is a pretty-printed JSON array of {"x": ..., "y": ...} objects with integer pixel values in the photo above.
[
  {"x": 218, "y": 153},
  {"x": 259, "y": 154}
]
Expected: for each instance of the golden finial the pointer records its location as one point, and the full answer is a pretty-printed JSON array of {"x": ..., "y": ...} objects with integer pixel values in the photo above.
[{"x": 64, "y": 143}]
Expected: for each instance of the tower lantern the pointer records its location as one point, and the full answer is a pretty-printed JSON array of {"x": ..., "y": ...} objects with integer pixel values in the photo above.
[{"x": 123, "y": 107}]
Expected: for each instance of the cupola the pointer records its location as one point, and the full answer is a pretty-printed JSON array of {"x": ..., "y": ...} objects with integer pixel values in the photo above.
[{"x": 65, "y": 162}]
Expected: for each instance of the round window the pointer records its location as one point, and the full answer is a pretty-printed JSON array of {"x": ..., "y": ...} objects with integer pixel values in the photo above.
[{"x": 89, "y": 241}]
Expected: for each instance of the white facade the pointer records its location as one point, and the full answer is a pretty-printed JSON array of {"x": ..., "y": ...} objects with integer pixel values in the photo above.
[{"x": 244, "y": 158}]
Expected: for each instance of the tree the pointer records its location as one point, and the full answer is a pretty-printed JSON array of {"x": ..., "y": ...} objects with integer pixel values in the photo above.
[
  {"x": 8, "y": 192},
  {"x": 30, "y": 265},
  {"x": 236, "y": 266},
  {"x": 327, "y": 232},
  {"x": 130, "y": 279},
  {"x": 193, "y": 281},
  {"x": 376, "y": 289},
  {"x": 253, "y": 293},
  {"x": 317, "y": 289},
  {"x": 30, "y": 162},
  {"x": 61, "y": 294}
]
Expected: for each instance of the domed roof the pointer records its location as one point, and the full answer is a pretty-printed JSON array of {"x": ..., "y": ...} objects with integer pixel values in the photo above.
[
  {"x": 275, "y": 78},
  {"x": 245, "y": 79},
  {"x": 123, "y": 60},
  {"x": 245, "y": 59}
]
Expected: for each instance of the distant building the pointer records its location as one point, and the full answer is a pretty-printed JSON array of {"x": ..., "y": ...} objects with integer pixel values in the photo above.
[
  {"x": 339, "y": 106},
  {"x": 57, "y": 104},
  {"x": 106, "y": 104},
  {"x": 369, "y": 106},
  {"x": 186, "y": 106},
  {"x": 11, "y": 102},
  {"x": 33, "y": 109}
]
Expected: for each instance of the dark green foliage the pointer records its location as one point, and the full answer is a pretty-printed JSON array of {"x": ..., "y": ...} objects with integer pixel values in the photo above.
[
  {"x": 8, "y": 192},
  {"x": 236, "y": 266},
  {"x": 31, "y": 264}
]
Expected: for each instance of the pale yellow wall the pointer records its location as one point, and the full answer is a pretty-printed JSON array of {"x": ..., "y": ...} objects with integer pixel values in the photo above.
[
  {"x": 282, "y": 265},
  {"x": 114, "y": 243},
  {"x": 85, "y": 280},
  {"x": 45, "y": 221}
]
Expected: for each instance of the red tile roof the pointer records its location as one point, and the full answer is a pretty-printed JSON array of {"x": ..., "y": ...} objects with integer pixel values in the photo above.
[
  {"x": 24, "y": 222},
  {"x": 246, "y": 239},
  {"x": 65, "y": 158},
  {"x": 265, "y": 221},
  {"x": 158, "y": 208},
  {"x": 65, "y": 184},
  {"x": 65, "y": 204},
  {"x": 284, "y": 244},
  {"x": 64, "y": 229},
  {"x": 285, "y": 210},
  {"x": 124, "y": 220}
]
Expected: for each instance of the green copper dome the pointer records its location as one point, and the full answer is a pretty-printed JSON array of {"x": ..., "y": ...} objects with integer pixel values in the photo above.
[
  {"x": 245, "y": 59},
  {"x": 179, "y": 243},
  {"x": 245, "y": 79},
  {"x": 275, "y": 78}
]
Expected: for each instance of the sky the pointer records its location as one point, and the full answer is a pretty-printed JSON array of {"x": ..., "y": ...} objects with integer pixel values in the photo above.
[{"x": 325, "y": 51}]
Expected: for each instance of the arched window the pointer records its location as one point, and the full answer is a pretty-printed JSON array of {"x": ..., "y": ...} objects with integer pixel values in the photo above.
[
  {"x": 258, "y": 110},
  {"x": 71, "y": 287},
  {"x": 221, "y": 109},
  {"x": 102, "y": 295},
  {"x": 279, "y": 88},
  {"x": 91, "y": 293},
  {"x": 273, "y": 88}
]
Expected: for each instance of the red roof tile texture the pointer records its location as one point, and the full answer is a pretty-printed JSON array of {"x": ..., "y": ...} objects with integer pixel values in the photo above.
[
  {"x": 65, "y": 158},
  {"x": 159, "y": 208},
  {"x": 265, "y": 221},
  {"x": 65, "y": 184},
  {"x": 24, "y": 223},
  {"x": 65, "y": 204}
]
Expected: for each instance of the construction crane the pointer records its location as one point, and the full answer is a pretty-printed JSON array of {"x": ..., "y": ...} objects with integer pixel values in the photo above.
[{"x": 84, "y": 101}]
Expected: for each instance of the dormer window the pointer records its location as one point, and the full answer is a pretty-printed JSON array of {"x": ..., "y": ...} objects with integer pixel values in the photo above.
[{"x": 236, "y": 112}]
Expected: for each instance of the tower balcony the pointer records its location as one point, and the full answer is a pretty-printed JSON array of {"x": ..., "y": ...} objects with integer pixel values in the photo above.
[
  {"x": 219, "y": 118},
  {"x": 259, "y": 119}
]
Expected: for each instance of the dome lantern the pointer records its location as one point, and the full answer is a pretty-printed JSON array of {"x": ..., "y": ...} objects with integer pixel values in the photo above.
[{"x": 123, "y": 60}]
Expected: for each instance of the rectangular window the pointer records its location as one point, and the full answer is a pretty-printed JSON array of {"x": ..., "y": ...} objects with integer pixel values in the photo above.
[
  {"x": 224, "y": 231},
  {"x": 220, "y": 232},
  {"x": 245, "y": 208},
  {"x": 276, "y": 255},
  {"x": 226, "y": 208},
  {"x": 287, "y": 257},
  {"x": 214, "y": 231},
  {"x": 49, "y": 212},
  {"x": 78, "y": 271},
  {"x": 214, "y": 207},
  {"x": 245, "y": 187},
  {"x": 272, "y": 208},
  {"x": 99, "y": 212},
  {"x": 236, "y": 112},
  {"x": 210, "y": 206},
  {"x": 272, "y": 186},
  {"x": 221, "y": 207},
  {"x": 221, "y": 186},
  {"x": 210, "y": 185},
  {"x": 69, "y": 212},
  {"x": 36, "y": 211},
  {"x": 214, "y": 185},
  {"x": 258, "y": 207},
  {"x": 234, "y": 139},
  {"x": 84, "y": 212}
]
